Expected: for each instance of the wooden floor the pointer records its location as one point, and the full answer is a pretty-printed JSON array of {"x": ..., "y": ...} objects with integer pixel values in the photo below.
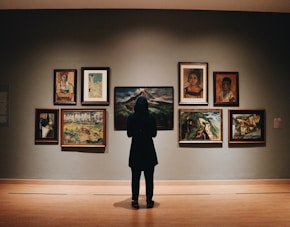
[{"x": 178, "y": 203}]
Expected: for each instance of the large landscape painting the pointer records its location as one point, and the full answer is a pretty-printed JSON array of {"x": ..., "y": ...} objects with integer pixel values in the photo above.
[{"x": 160, "y": 100}]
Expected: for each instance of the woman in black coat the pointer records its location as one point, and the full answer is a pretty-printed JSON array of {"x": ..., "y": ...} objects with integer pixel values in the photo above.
[{"x": 141, "y": 126}]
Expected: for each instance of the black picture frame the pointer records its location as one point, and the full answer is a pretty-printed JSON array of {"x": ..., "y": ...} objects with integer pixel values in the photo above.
[
  {"x": 160, "y": 99},
  {"x": 247, "y": 126},
  {"x": 95, "y": 85},
  {"x": 46, "y": 126}
]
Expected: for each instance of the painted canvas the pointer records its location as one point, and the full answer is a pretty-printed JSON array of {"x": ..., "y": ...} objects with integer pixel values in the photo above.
[
  {"x": 200, "y": 126},
  {"x": 160, "y": 100}
]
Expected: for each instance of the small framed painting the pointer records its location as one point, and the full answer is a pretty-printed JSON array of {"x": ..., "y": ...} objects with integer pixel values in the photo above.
[
  {"x": 95, "y": 85},
  {"x": 46, "y": 126},
  {"x": 193, "y": 83},
  {"x": 226, "y": 88},
  {"x": 200, "y": 126},
  {"x": 247, "y": 126},
  {"x": 65, "y": 82},
  {"x": 83, "y": 127}
]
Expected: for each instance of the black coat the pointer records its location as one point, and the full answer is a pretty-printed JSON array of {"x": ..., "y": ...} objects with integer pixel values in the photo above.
[{"x": 141, "y": 126}]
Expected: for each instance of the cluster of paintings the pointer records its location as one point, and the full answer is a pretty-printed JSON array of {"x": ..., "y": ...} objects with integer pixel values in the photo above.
[
  {"x": 206, "y": 125},
  {"x": 79, "y": 127},
  {"x": 87, "y": 127}
]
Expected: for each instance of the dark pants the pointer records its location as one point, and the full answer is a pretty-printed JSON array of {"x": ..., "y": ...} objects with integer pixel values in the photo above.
[{"x": 135, "y": 184}]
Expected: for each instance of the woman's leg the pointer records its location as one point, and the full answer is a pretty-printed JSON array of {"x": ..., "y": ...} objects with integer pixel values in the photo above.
[
  {"x": 135, "y": 183},
  {"x": 149, "y": 175}
]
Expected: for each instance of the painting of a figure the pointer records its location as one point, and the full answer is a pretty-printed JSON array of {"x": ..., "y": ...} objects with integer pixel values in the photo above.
[
  {"x": 193, "y": 83},
  {"x": 65, "y": 86},
  {"x": 226, "y": 88},
  {"x": 246, "y": 126},
  {"x": 95, "y": 85},
  {"x": 46, "y": 126},
  {"x": 200, "y": 126},
  {"x": 160, "y": 100},
  {"x": 83, "y": 128}
]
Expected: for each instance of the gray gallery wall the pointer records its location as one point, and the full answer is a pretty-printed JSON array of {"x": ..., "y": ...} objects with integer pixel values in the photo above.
[{"x": 143, "y": 48}]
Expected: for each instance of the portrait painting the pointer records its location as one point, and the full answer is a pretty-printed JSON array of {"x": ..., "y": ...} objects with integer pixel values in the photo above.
[
  {"x": 193, "y": 83},
  {"x": 65, "y": 86},
  {"x": 247, "y": 126},
  {"x": 200, "y": 126},
  {"x": 226, "y": 88},
  {"x": 160, "y": 101},
  {"x": 46, "y": 126}
]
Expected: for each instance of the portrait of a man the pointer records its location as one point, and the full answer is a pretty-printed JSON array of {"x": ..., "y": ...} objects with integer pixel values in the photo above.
[{"x": 226, "y": 89}]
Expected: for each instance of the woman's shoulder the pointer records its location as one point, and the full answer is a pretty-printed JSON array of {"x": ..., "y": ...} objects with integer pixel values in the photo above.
[
  {"x": 131, "y": 115},
  {"x": 152, "y": 117}
]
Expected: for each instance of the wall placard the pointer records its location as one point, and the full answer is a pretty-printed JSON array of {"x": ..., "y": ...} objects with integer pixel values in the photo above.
[{"x": 4, "y": 97}]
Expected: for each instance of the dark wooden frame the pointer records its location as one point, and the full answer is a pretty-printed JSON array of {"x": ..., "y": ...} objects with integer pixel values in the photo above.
[
  {"x": 124, "y": 101},
  {"x": 200, "y": 126},
  {"x": 231, "y": 78},
  {"x": 46, "y": 126},
  {"x": 184, "y": 68},
  {"x": 65, "y": 94},
  {"x": 83, "y": 127},
  {"x": 247, "y": 126},
  {"x": 98, "y": 89}
]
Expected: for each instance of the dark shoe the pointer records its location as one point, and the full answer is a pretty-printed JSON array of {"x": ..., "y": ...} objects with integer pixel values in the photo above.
[
  {"x": 135, "y": 204},
  {"x": 150, "y": 204}
]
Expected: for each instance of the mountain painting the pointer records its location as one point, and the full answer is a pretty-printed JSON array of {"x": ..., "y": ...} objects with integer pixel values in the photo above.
[{"x": 160, "y": 100}]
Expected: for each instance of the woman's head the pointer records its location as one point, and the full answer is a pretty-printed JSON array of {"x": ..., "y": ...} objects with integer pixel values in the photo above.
[
  {"x": 194, "y": 76},
  {"x": 141, "y": 105}
]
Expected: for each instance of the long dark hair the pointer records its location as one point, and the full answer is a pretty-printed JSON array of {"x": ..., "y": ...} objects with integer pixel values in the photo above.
[{"x": 141, "y": 106}]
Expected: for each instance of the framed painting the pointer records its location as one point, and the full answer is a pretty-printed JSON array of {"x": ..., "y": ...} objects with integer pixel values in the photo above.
[
  {"x": 226, "y": 88},
  {"x": 83, "y": 127},
  {"x": 193, "y": 83},
  {"x": 247, "y": 126},
  {"x": 200, "y": 126},
  {"x": 160, "y": 100},
  {"x": 65, "y": 82},
  {"x": 46, "y": 126},
  {"x": 95, "y": 85}
]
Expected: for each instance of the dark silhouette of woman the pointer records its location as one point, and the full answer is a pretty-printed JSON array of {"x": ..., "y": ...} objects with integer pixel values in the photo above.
[{"x": 141, "y": 126}]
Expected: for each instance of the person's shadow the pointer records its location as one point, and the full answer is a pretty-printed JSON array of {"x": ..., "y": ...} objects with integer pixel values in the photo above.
[{"x": 127, "y": 203}]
